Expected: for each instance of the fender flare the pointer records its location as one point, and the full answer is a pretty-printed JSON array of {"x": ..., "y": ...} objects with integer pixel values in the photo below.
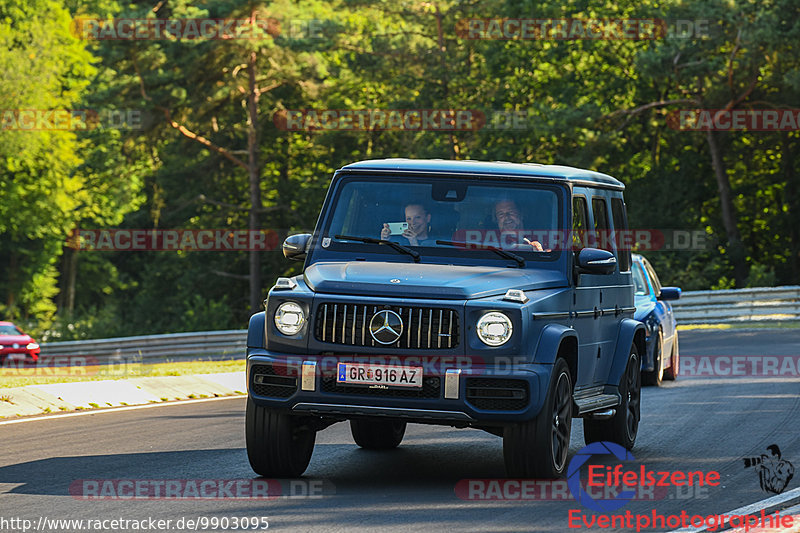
[
  {"x": 550, "y": 340},
  {"x": 630, "y": 331},
  {"x": 256, "y": 331}
]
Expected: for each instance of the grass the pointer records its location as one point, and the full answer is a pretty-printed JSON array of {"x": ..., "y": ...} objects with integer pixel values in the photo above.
[{"x": 14, "y": 377}]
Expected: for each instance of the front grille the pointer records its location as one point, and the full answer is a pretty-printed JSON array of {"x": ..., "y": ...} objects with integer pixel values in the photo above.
[
  {"x": 425, "y": 328},
  {"x": 265, "y": 381},
  {"x": 497, "y": 394},
  {"x": 430, "y": 389}
]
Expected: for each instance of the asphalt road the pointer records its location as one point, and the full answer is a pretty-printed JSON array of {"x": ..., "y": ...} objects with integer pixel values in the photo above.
[{"x": 706, "y": 424}]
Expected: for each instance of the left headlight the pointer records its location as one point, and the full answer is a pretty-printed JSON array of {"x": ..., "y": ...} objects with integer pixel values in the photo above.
[
  {"x": 494, "y": 328},
  {"x": 32, "y": 346},
  {"x": 289, "y": 318}
]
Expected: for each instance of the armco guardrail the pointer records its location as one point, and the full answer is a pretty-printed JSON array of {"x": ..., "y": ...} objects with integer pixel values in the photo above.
[
  {"x": 195, "y": 345},
  {"x": 694, "y": 307},
  {"x": 738, "y": 306}
]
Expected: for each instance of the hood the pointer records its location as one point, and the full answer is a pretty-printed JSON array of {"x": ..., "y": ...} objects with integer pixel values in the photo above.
[
  {"x": 450, "y": 282},
  {"x": 22, "y": 340},
  {"x": 644, "y": 305}
]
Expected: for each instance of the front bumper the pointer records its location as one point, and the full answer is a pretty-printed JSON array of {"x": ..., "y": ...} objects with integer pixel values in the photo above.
[
  {"x": 20, "y": 354},
  {"x": 452, "y": 394}
]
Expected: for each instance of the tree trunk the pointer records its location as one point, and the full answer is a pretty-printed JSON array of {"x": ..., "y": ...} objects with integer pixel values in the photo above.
[
  {"x": 729, "y": 218},
  {"x": 791, "y": 199},
  {"x": 455, "y": 149},
  {"x": 72, "y": 277},
  {"x": 254, "y": 176}
]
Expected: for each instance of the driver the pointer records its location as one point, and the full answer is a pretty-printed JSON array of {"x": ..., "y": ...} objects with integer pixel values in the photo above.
[{"x": 509, "y": 218}]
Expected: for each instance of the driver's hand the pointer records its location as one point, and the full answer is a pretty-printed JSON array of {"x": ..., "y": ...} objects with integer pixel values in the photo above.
[
  {"x": 537, "y": 246},
  {"x": 385, "y": 232}
]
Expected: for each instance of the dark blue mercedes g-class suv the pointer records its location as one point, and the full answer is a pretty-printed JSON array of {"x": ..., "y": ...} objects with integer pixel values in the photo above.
[{"x": 494, "y": 296}]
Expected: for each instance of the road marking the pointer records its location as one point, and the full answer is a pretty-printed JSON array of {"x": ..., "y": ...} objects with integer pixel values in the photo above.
[
  {"x": 53, "y": 416},
  {"x": 752, "y": 508}
]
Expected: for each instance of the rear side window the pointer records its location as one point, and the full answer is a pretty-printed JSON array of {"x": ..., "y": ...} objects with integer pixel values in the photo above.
[
  {"x": 579, "y": 222},
  {"x": 620, "y": 226},
  {"x": 601, "y": 225}
]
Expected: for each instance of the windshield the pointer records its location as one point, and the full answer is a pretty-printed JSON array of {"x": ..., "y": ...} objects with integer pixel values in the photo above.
[
  {"x": 639, "y": 283},
  {"x": 9, "y": 330},
  {"x": 433, "y": 215}
]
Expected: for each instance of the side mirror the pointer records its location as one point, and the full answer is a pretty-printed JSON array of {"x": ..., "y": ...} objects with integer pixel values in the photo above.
[
  {"x": 670, "y": 293},
  {"x": 294, "y": 247},
  {"x": 595, "y": 261}
]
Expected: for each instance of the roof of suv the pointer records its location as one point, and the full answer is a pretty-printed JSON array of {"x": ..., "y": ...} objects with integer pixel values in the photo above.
[{"x": 499, "y": 168}]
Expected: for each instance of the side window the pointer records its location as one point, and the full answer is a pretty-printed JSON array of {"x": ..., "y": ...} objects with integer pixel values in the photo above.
[
  {"x": 653, "y": 277},
  {"x": 639, "y": 283},
  {"x": 621, "y": 225},
  {"x": 579, "y": 222},
  {"x": 601, "y": 225}
]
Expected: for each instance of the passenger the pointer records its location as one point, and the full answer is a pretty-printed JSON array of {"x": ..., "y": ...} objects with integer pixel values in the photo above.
[
  {"x": 419, "y": 225},
  {"x": 509, "y": 218}
]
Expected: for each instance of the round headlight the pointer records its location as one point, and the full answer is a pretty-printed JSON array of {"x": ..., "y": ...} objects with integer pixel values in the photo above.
[
  {"x": 32, "y": 346},
  {"x": 289, "y": 318},
  {"x": 494, "y": 328}
]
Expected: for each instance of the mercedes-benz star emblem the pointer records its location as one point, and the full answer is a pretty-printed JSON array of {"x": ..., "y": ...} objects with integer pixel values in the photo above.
[{"x": 386, "y": 327}]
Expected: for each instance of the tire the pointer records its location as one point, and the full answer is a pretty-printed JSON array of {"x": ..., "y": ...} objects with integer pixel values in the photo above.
[
  {"x": 655, "y": 376},
  {"x": 377, "y": 434},
  {"x": 671, "y": 373},
  {"x": 624, "y": 425},
  {"x": 278, "y": 444},
  {"x": 538, "y": 448}
]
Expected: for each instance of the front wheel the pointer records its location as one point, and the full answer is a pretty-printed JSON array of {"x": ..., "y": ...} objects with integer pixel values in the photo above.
[
  {"x": 538, "y": 448},
  {"x": 623, "y": 427},
  {"x": 278, "y": 444},
  {"x": 378, "y": 434},
  {"x": 655, "y": 376}
]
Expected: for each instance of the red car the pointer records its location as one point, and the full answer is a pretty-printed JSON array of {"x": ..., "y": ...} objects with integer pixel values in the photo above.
[{"x": 15, "y": 344}]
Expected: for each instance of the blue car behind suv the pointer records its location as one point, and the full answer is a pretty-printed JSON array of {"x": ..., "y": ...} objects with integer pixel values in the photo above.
[
  {"x": 470, "y": 294},
  {"x": 661, "y": 358}
]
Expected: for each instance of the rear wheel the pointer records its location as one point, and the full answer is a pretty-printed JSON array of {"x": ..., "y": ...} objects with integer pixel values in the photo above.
[
  {"x": 278, "y": 444},
  {"x": 624, "y": 425},
  {"x": 538, "y": 448},
  {"x": 655, "y": 376},
  {"x": 377, "y": 434},
  {"x": 671, "y": 373}
]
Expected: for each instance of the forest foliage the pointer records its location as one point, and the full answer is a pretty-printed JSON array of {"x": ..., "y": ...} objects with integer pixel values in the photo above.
[{"x": 205, "y": 148}]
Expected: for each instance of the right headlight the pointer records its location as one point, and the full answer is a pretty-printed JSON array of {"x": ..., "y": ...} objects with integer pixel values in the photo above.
[
  {"x": 289, "y": 318},
  {"x": 494, "y": 328}
]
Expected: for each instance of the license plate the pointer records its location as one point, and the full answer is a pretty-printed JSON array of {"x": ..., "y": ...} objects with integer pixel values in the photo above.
[{"x": 386, "y": 375}]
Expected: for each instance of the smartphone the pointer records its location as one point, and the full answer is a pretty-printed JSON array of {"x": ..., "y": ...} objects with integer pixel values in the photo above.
[{"x": 397, "y": 228}]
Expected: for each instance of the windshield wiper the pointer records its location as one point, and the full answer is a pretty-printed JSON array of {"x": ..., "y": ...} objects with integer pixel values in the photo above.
[
  {"x": 502, "y": 253},
  {"x": 370, "y": 240}
]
